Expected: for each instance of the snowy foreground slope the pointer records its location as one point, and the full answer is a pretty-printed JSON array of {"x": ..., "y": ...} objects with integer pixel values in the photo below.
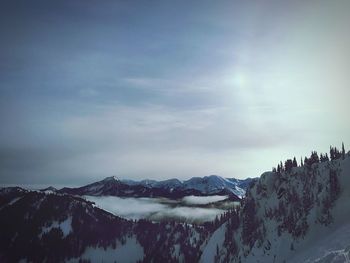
[
  {"x": 294, "y": 214},
  {"x": 51, "y": 227},
  {"x": 302, "y": 215}
]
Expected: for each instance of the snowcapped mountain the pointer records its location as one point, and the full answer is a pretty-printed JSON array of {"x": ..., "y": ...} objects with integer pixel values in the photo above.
[
  {"x": 172, "y": 188},
  {"x": 213, "y": 183},
  {"x": 292, "y": 214},
  {"x": 207, "y": 184},
  {"x": 299, "y": 214}
]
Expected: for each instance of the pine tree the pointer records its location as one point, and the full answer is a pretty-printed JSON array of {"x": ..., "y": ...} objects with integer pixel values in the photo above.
[
  {"x": 288, "y": 165},
  {"x": 324, "y": 158},
  {"x": 314, "y": 158},
  {"x": 250, "y": 222},
  {"x": 337, "y": 153},
  {"x": 333, "y": 185},
  {"x": 295, "y": 164},
  {"x": 343, "y": 151},
  {"x": 331, "y": 153}
]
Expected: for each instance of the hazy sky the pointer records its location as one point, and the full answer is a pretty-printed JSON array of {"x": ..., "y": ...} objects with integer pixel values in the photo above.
[{"x": 161, "y": 89}]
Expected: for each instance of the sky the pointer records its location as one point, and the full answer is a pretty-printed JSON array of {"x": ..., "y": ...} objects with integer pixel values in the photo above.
[{"x": 163, "y": 89}]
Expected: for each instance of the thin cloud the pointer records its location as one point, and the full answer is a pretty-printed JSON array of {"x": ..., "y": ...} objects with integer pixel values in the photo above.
[
  {"x": 158, "y": 209},
  {"x": 200, "y": 200},
  {"x": 135, "y": 90}
]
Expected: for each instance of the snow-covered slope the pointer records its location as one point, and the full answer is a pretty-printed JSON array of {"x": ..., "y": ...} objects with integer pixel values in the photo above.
[
  {"x": 294, "y": 214},
  {"x": 298, "y": 216},
  {"x": 51, "y": 227},
  {"x": 214, "y": 183}
]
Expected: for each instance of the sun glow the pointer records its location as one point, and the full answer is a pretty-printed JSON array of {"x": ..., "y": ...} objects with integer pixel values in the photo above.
[{"x": 239, "y": 80}]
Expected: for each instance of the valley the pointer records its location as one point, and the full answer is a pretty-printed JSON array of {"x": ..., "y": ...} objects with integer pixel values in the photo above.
[
  {"x": 294, "y": 213},
  {"x": 189, "y": 209}
]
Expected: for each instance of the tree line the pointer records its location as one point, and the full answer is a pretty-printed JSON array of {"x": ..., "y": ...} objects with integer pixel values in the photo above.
[{"x": 334, "y": 154}]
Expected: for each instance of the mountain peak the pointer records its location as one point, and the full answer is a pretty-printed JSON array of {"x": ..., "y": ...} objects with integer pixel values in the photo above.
[
  {"x": 50, "y": 188},
  {"x": 110, "y": 178}
]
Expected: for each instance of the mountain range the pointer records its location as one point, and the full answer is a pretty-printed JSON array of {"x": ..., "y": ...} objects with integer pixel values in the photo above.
[
  {"x": 172, "y": 188},
  {"x": 297, "y": 213}
]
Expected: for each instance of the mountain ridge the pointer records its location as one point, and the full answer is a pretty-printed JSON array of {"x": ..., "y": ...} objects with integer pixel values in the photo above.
[
  {"x": 171, "y": 188},
  {"x": 287, "y": 214},
  {"x": 291, "y": 214}
]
